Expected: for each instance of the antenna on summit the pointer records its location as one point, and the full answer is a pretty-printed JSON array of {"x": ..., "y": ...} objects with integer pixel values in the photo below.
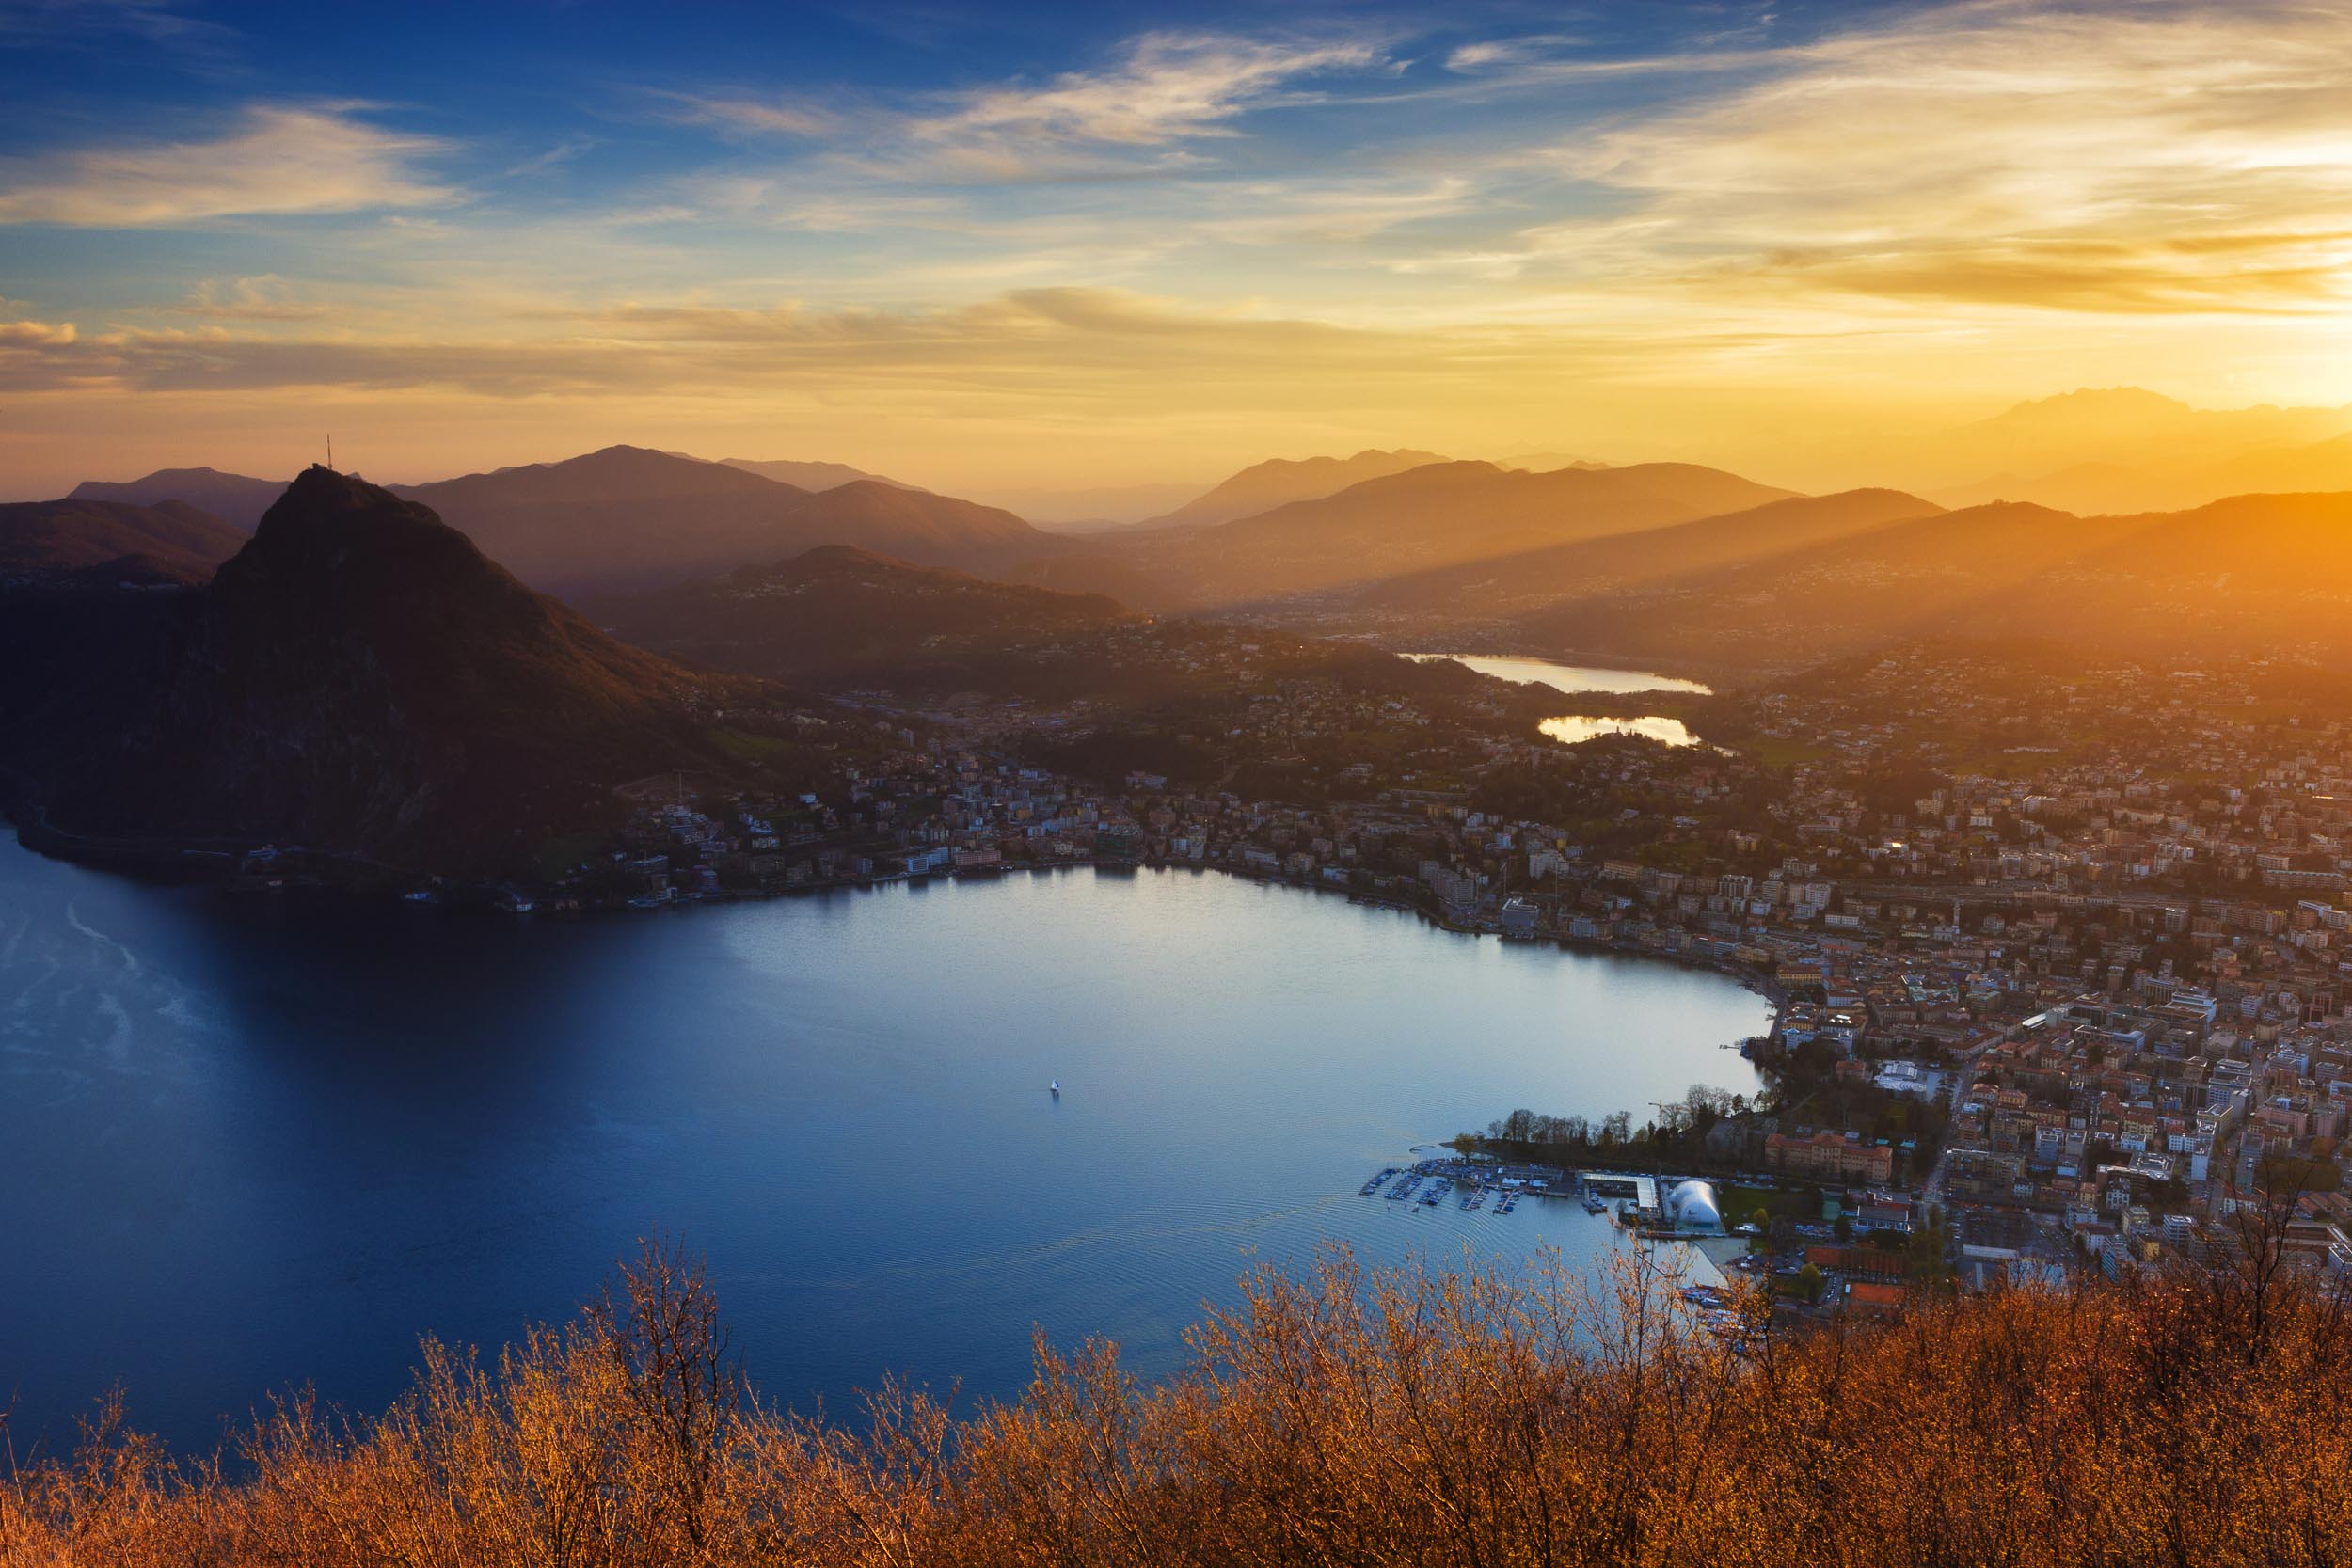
[{"x": 330, "y": 454}]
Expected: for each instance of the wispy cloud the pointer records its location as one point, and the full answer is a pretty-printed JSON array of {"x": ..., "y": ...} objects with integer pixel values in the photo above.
[
  {"x": 1135, "y": 114},
  {"x": 87, "y": 22},
  {"x": 1490, "y": 53},
  {"x": 276, "y": 160},
  {"x": 1100, "y": 337},
  {"x": 754, "y": 115},
  {"x": 1257, "y": 233},
  {"x": 267, "y": 297},
  {"x": 27, "y": 333},
  {"x": 1170, "y": 86},
  {"x": 562, "y": 153},
  {"x": 2146, "y": 159}
]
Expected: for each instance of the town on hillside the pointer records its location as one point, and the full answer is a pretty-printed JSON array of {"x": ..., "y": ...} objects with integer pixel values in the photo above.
[{"x": 2060, "y": 993}]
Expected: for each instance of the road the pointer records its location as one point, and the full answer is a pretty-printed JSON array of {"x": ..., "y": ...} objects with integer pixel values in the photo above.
[{"x": 1963, "y": 1074}]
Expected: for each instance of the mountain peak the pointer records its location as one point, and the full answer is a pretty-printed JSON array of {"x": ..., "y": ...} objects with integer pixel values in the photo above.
[
  {"x": 361, "y": 674},
  {"x": 322, "y": 503},
  {"x": 2088, "y": 413},
  {"x": 1280, "y": 481}
]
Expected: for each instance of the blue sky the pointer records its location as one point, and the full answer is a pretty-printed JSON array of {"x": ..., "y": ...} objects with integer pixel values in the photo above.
[{"x": 973, "y": 245}]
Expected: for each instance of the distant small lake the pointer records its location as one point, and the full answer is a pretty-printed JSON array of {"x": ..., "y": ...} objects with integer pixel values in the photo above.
[
  {"x": 254, "y": 1143},
  {"x": 1568, "y": 677},
  {"x": 1572, "y": 728}
]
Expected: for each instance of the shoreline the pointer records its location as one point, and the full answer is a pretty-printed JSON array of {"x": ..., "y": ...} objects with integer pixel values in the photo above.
[{"x": 183, "y": 862}]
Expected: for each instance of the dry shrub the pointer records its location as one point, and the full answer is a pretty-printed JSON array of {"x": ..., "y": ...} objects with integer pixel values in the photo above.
[{"x": 1476, "y": 1417}]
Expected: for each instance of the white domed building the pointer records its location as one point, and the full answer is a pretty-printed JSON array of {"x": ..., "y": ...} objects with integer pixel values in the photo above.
[{"x": 1691, "y": 1208}]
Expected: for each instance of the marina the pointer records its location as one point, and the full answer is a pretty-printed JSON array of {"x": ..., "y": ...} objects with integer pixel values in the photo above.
[
  {"x": 1652, "y": 1208},
  {"x": 1477, "y": 1180}
]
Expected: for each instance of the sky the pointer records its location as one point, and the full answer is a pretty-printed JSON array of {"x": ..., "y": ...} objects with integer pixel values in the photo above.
[{"x": 982, "y": 248}]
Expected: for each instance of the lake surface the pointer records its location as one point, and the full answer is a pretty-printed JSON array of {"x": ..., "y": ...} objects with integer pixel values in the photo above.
[
  {"x": 250, "y": 1143},
  {"x": 1572, "y": 728},
  {"x": 1568, "y": 677}
]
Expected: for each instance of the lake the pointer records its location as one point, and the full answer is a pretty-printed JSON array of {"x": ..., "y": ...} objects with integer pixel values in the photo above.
[
  {"x": 1575, "y": 727},
  {"x": 1572, "y": 728},
  {"x": 253, "y": 1143},
  {"x": 1568, "y": 677}
]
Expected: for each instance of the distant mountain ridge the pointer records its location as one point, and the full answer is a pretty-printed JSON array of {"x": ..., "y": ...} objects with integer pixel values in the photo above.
[
  {"x": 1434, "y": 516},
  {"x": 1509, "y": 585},
  {"x": 236, "y": 499},
  {"x": 1278, "y": 482},
  {"x": 2164, "y": 484},
  {"x": 627, "y": 518},
  {"x": 803, "y": 475},
  {"x": 2125, "y": 449},
  {"x": 2246, "y": 574}
]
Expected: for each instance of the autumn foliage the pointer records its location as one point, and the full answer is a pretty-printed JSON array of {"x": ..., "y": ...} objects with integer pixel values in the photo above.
[{"x": 1471, "y": 1418}]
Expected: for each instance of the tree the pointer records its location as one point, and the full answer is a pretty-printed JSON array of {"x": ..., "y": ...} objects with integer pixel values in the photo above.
[{"x": 1811, "y": 1283}]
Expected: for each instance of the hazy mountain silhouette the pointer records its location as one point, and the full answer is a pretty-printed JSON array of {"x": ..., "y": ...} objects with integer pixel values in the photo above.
[
  {"x": 811, "y": 476},
  {"x": 1546, "y": 462},
  {"x": 2124, "y": 449},
  {"x": 1509, "y": 585},
  {"x": 233, "y": 497},
  {"x": 627, "y": 518},
  {"x": 1101, "y": 566},
  {"x": 845, "y": 620},
  {"x": 2242, "y": 575},
  {"x": 1794, "y": 607},
  {"x": 1434, "y": 516},
  {"x": 170, "y": 541},
  {"x": 360, "y": 676},
  {"x": 2084, "y": 489},
  {"x": 2161, "y": 484},
  {"x": 1280, "y": 481},
  {"x": 844, "y": 616}
]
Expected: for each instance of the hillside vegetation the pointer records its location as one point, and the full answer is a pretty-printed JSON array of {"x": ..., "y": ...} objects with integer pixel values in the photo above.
[
  {"x": 50, "y": 540},
  {"x": 1464, "y": 1420}
]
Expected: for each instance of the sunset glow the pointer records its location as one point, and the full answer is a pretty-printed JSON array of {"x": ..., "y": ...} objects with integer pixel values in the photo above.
[{"x": 1802, "y": 241}]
